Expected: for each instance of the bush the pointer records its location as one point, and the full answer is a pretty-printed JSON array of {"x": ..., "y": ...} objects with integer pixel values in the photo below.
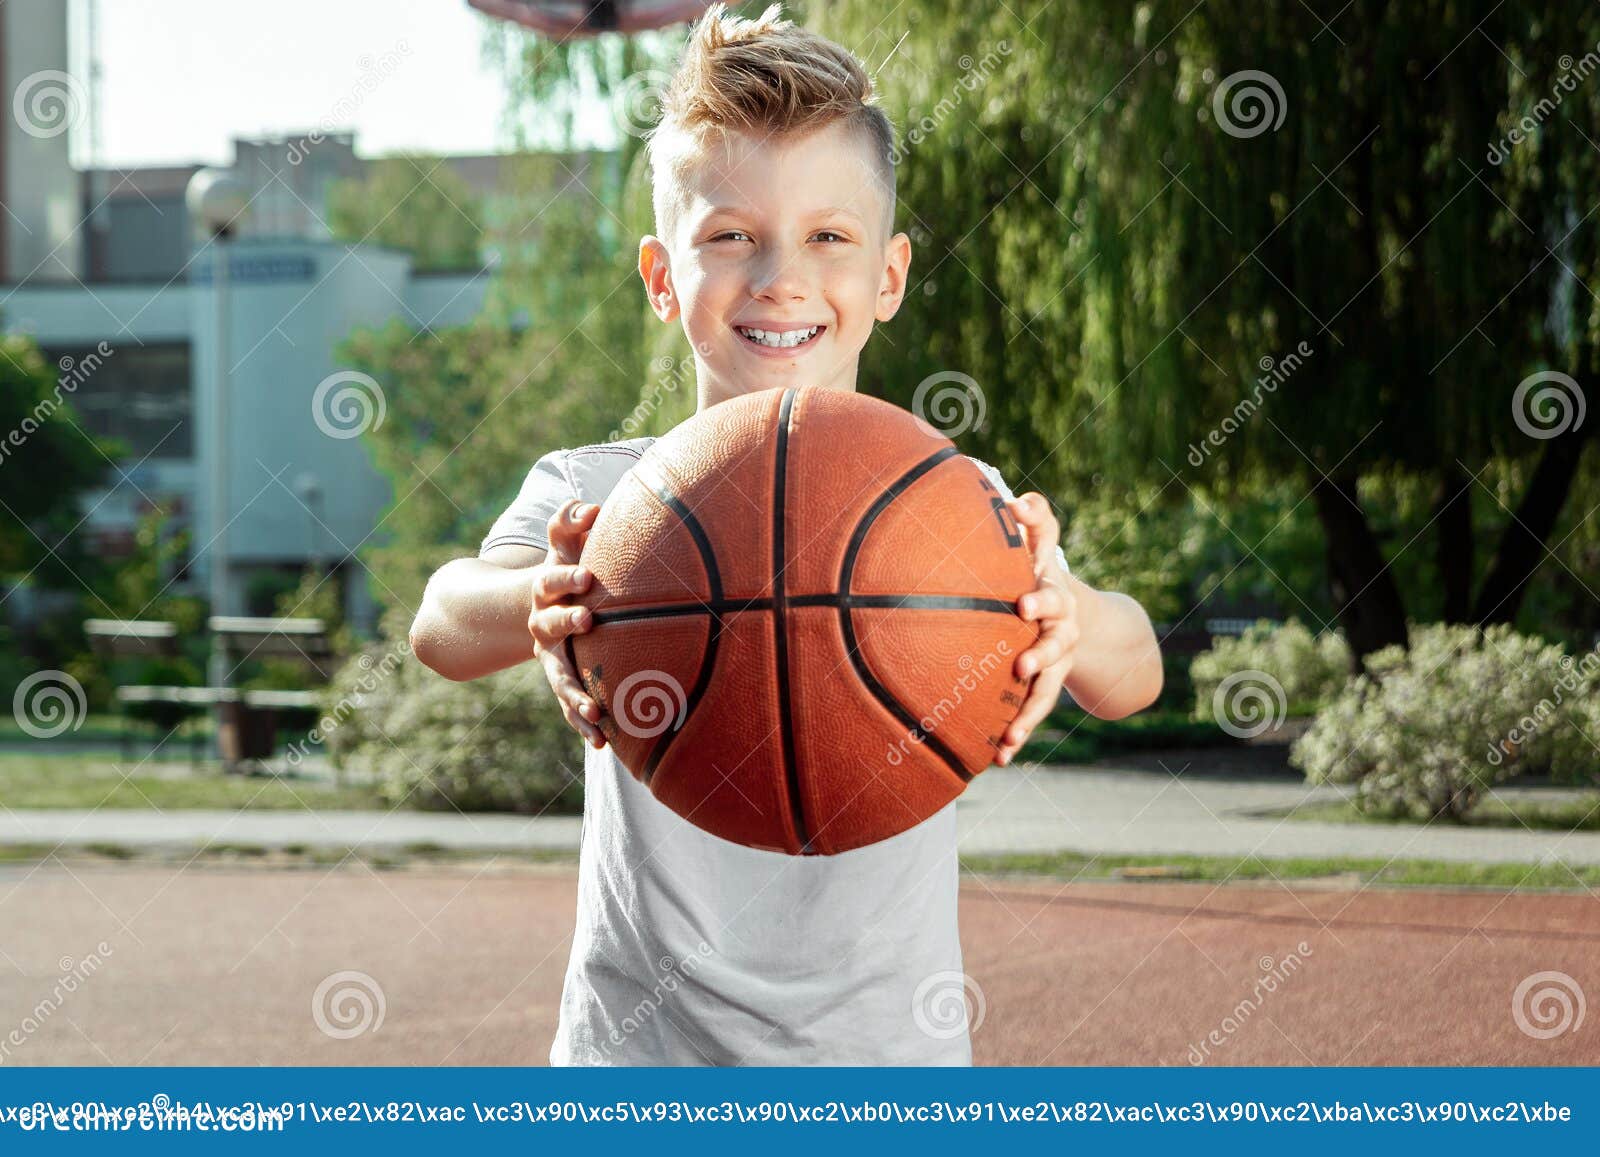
[
  {"x": 1426, "y": 731},
  {"x": 1308, "y": 669},
  {"x": 495, "y": 744}
]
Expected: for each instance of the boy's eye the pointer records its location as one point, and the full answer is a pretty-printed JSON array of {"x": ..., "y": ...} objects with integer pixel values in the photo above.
[
  {"x": 731, "y": 233},
  {"x": 832, "y": 234}
]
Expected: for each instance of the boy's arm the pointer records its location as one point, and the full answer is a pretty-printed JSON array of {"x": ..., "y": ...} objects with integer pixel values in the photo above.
[{"x": 1117, "y": 667}]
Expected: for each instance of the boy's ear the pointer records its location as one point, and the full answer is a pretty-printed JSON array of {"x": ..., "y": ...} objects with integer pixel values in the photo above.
[
  {"x": 657, "y": 275},
  {"x": 892, "y": 286}
]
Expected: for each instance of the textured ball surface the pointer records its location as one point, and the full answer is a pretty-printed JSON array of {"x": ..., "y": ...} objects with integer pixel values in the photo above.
[{"x": 805, "y": 624}]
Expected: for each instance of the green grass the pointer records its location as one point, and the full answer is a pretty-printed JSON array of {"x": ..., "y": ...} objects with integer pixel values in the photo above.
[
  {"x": 95, "y": 728},
  {"x": 288, "y": 856},
  {"x": 1367, "y": 872},
  {"x": 1580, "y": 815},
  {"x": 92, "y": 781},
  {"x": 1087, "y": 738}
]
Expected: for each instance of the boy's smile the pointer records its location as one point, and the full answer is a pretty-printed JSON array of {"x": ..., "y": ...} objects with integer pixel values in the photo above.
[{"x": 778, "y": 261}]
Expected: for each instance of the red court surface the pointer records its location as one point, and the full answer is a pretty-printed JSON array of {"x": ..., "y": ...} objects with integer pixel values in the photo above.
[{"x": 214, "y": 965}]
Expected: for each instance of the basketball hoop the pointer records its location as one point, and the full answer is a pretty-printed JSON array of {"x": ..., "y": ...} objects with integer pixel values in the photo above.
[{"x": 564, "y": 19}]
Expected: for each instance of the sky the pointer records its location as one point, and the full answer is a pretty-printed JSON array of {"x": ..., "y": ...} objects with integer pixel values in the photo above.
[{"x": 181, "y": 78}]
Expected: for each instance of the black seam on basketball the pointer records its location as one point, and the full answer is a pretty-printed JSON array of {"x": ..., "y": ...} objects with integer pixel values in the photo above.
[
  {"x": 906, "y": 602},
  {"x": 847, "y": 626},
  {"x": 708, "y": 558},
  {"x": 780, "y": 628}
]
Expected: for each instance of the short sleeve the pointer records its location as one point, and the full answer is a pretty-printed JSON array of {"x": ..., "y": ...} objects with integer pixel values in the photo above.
[
  {"x": 527, "y": 520},
  {"x": 994, "y": 476}
]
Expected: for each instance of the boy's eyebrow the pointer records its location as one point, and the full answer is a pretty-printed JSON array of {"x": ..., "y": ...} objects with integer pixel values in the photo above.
[{"x": 738, "y": 210}]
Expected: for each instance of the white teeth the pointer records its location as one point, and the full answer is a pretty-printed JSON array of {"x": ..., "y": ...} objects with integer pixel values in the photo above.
[{"x": 776, "y": 340}]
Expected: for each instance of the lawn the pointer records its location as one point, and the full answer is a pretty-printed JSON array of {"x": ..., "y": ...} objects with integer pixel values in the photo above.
[
  {"x": 94, "y": 781},
  {"x": 1575, "y": 815}
]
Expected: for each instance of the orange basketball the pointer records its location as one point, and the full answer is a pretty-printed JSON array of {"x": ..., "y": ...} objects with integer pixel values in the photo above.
[{"x": 805, "y": 628}]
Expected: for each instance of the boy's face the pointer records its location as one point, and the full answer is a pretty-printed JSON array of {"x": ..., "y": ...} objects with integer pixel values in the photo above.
[{"x": 785, "y": 236}]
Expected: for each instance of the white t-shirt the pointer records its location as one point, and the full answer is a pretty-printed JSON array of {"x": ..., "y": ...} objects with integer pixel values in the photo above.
[{"x": 693, "y": 950}]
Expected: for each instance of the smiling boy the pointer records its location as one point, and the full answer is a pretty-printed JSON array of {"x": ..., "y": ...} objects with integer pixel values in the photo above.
[{"x": 775, "y": 250}]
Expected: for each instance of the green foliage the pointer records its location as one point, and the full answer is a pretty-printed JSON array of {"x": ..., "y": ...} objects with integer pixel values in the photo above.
[
  {"x": 1309, "y": 668},
  {"x": 46, "y": 462},
  {"x": 493, "y": 744},
  {"x": 414, "y": 203},
  {"x": 1426, "y": 731}
]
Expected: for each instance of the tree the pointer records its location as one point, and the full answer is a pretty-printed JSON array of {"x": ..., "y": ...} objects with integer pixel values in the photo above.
[
  {"x": 46, "y": 462},
  {"x": 1130, "y": 218},
  {"x": 411, "y": 202}
]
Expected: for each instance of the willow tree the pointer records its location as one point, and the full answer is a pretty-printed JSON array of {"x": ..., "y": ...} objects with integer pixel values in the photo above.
[{"x": 1129, "y": 218}]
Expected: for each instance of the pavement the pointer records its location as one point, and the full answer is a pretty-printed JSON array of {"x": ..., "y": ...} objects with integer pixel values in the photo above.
[
  {"x": 1228, "y": 803},
  {"x": 454, "y": 965}
]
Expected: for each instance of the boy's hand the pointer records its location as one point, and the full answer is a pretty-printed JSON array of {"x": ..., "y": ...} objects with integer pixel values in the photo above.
[
  {"x": 553, "y": 618},
  {"x": 1053, "y": 605}
]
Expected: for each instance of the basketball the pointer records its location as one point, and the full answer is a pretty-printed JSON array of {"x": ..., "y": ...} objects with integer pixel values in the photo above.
[{"x": 804, "y": 623}]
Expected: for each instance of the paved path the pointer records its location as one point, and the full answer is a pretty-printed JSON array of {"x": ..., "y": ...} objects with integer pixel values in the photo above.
[
  {"x": 1096, "y": 809},
  {"x": 210, "y": 965}
]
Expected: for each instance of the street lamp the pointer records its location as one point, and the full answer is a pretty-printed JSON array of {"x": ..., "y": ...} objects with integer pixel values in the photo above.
[{"x": 217, "y": 203}]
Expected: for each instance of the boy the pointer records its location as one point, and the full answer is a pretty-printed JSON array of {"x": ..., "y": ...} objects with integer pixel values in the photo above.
[{"x": 774, "y": 204}]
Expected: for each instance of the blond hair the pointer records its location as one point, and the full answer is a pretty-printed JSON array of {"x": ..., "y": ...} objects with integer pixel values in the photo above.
[{"x": 766, "y": 77}]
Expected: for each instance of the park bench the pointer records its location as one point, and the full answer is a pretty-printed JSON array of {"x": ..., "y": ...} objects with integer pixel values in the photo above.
[{"x": 248, "y": 720}]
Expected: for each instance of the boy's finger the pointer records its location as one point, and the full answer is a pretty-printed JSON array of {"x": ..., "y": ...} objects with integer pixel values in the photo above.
[
  {"x": 552, "y": 624},
  {"x": 1047, "y": 602},
  {"x": 570, "y": 692},
  {"x": 551, "y": 583},
  {"x": 1038, "y": 704},
  {"x": 568, "y": 526},
  {"x": 1051, "y": 648}
]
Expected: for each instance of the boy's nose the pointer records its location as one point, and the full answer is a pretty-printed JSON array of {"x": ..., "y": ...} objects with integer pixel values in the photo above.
[{"x": 780, "y": 279}]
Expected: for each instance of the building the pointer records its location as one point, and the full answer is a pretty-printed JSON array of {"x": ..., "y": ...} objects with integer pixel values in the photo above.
[{"x": 107, "y": 272}]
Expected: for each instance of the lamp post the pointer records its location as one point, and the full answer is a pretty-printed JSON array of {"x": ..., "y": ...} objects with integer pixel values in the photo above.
[{"x": 217, "y": 203}]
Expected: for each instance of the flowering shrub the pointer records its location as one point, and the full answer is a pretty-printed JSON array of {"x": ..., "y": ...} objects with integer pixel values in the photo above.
[
  {"x": 1307, "y": 669},
  {"x": 493, "y": 744},
  {"x": 1426, "y": 731}
]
